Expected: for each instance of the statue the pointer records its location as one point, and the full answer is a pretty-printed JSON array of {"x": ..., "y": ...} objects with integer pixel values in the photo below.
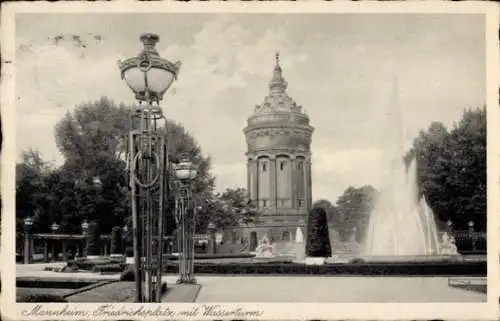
[
  {"x": 265, "y": 248},
  {"x": 447, "y": 246}
]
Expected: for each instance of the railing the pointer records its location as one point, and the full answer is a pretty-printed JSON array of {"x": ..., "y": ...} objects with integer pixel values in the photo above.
[{"x": 470, "y": 242}]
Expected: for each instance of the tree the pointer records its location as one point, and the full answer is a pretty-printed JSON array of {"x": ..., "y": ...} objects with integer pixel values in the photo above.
[
  {"x": 318, "y": 239},
  {"x": 33, "y": 197},
  {"x": 451, "y": 169},
  {"x": 355, "y": 206},
  {"x": 93, "y": 139},
  {"x": 331, "y": 210},
  {"x": 229, "y": 209}
]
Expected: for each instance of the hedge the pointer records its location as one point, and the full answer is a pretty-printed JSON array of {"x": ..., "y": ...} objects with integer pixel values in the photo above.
[
  {"x": 359, "y": 268},
  {"x": 41, "y": 298},
  {"x": 109, "y": 268},
  {"x": 210, "y": 256},
  {"x": 53, "y": 284}
]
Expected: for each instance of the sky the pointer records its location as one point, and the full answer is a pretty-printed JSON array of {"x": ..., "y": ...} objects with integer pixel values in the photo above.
[{"x": 340, "y": 67}]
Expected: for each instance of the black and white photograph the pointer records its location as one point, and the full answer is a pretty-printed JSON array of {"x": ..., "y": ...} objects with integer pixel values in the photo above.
[{"x": 251, "y": 157}]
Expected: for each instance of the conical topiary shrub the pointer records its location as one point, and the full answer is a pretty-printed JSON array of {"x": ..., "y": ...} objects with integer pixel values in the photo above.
[
  {"x": 116, "y": 240},
  {"x": 318, "y": 239},
  {"x": 93, "y": 239}
]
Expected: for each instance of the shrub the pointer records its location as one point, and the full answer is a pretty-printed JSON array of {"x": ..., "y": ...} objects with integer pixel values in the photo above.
[
  {"x": 318, "y": 239},
  {"x": 42, "y": 298},
  {"x": 128, "y": 273},
  {"x": 116, "y": 240},
  {"x": 109, "y": 268},
  {"x": 70, "y": 268},
  {"x": 93, "y": 239}
]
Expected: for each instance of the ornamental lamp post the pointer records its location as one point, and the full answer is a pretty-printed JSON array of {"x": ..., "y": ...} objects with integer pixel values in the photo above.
[
  {"x": 124, "y": 239},
  {"x": 54, "y": 228},
  {"x": 28, "y": 224},
  {"x": 85, "y": 229},
  {"x": 148, "y": 76},
  {"x": 211, "y": 231},
  {"x": 185, "y": 217},
  {"x": 471, "y": 235}
]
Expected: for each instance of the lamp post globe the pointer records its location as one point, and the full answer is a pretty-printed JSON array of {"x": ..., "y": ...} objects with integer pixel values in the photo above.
[
  {"x": 211, "y": 227},
  {"x": 148, "y": 75},
  {"x": 28, "y": 221},
  {"x": 97, "y": 181},
  {"x": 185, "y": 170},
  {"x": 54, "y": 227},
  {"x": 85, "y": 226}
]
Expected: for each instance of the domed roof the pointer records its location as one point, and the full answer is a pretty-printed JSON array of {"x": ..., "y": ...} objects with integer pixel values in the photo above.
[{"x": 277, "y": 101}]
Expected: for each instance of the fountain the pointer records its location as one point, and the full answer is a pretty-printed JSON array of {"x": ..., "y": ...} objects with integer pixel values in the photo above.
[{"x": 401, "y": 224}]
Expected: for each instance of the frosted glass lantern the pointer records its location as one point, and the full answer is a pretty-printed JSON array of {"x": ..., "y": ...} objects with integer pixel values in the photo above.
[
  {"x": 148, "y": 75},
  {"x": 185, "y": 170}
]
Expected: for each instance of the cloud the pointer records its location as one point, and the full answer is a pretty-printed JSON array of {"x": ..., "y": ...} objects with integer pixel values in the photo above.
[
  {"x": 340, "y": 70},
  {"x": 335, "y": 170}
]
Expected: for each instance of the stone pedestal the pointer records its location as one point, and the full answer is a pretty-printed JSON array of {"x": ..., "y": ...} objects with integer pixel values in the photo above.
[
  {"x": 300, "y": 252},
  {"x": 315, "y": 260}
]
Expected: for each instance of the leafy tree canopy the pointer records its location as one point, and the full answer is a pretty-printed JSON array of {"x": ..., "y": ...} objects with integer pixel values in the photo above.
[
  {"x": 92, "y": 183},
  {"x": 451, "y": 169}
]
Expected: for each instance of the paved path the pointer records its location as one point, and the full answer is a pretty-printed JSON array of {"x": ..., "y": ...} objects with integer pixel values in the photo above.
[{"x": 305, "y": 288}]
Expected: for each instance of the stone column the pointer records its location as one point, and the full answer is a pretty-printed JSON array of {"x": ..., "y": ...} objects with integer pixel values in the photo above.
[
  {"x": 65, "y": 250},
  {"x": 54, "y": 252},
  {"x": 249, "y": 177},
  {"x": 293, "y": 185},
  {"x": 272, "y": 182},
  {"x": 308, "y": 184},
  {"x": 27, "y": 249},
  {"x": 307, "y": 187},
  {"x": 45, "y": 251}
]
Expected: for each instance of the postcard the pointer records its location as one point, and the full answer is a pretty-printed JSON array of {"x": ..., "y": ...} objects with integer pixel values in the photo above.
[{"x": 250, "y": 161}]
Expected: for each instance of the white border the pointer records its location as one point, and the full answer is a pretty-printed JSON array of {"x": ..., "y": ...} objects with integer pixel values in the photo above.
[{"x": 281, "y": 311}]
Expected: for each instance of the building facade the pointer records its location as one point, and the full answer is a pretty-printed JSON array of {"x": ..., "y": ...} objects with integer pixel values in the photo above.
[{"x": 278, "y": 136}]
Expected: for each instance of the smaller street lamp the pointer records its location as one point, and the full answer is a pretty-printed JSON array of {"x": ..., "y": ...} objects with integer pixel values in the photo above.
[
  {"x": 85, "y": 228},
  {"x": 124, "y": 239},
  {"x": 28, "y": 223},
  {"x": 54, "y": 228},
  {"x": 211, "y": 232},
  {"x": 471, "y": 235},
  {"x": 185, "y": 172}
]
